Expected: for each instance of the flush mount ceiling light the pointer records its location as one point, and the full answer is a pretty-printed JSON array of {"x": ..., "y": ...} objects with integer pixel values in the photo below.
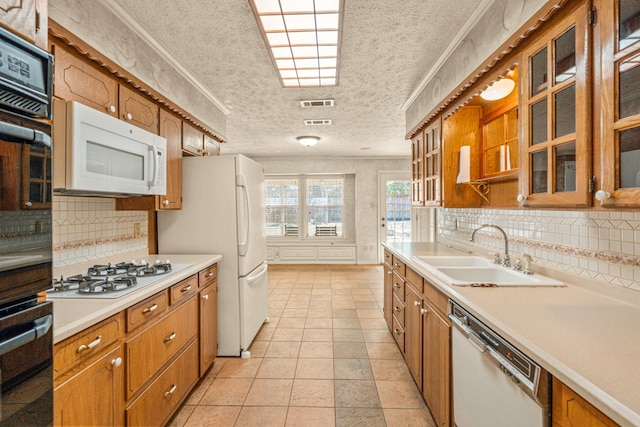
[
  {"x": 308, "y": 141},
  {"x": 303, "y": 37},
  {"x": 498, "y": 90}
]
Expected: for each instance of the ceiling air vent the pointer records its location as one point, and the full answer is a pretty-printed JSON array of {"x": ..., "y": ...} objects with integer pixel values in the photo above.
[
  {"x": 317, "y": 103},
  {"x": 317, "y": 122}
]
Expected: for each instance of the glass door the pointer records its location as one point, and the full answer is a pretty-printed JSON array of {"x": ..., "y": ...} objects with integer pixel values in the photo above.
[{"x": 395, "y": 207}]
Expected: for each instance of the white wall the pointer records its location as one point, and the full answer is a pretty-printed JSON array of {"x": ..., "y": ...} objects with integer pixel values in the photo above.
[{"x": 366, "y": 180}]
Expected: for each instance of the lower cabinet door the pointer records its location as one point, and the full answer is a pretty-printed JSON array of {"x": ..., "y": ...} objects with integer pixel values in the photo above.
[
  {"x": 93, "y": 396},
  {"x": 208, "y": 326},
  {"x": 437, "y": 365},
  {"x": 159, "y": 401}
]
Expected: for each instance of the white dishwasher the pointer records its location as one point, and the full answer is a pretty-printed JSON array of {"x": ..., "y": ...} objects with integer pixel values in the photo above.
[{"x": 494, "y": 384}]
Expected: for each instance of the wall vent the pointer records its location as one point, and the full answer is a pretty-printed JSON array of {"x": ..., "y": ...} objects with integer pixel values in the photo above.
[
  {"x": 317, "y": 122},
  {"x": 317, "y": 103}
]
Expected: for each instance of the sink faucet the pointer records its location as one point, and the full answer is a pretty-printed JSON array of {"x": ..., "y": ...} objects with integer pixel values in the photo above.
[{"x": 506, "y": 262}]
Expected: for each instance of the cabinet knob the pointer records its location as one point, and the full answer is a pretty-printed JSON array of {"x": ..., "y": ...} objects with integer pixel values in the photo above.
[
  {"x": 165, "y": 202},
  {"x": 116, "y": 362},
  {"x": 128, "y": 116},
  {"x": 205, "y": 297},
  {"x": 389, "y": 272},
  {"x": 521, "y": 198},
  {"x": 396, "y": 331},
  {"x": 423, "y": 311},
  {"x": 602, "y": 195},
  {"x": 417, "y": 303},
  {"x": 396, "y": 309},
  {"x": 111, "y": 108},
  {"x": 28, "y": 204}
]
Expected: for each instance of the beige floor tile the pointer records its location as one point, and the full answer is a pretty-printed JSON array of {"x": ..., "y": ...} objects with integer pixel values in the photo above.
[
  {"x": 399, "y": 395},
  {"x": 283, "y": 349},
  {"x": 318, "y": 323},
  {"x": 366, "y": 417},
  {"x": 264, "y": 334},
  {"x": 352, "y": 369},
  {"x": 199, "y": 391},
  {"x": 292, "y": 322},
  {"x": 377, "y": 335},
  {"x": 344, "y": 313},
  {"x": 181, "y": 417},
  {"x": 408, "y": 418},
  {"x": 226, "y": 391},
  {"x": 277, "y": 304},
  {"x": 370, "y": 314},
  {"x": 269, "y": 392},
  {"x": 367, "y": 305},
  {"x": 316, "y": 334},
  {"x": 258, "y": 348},
  {"x": 275, "y": 312},
  {"x": 211, "y": 416},
  {"x": 316, "y": 349},
  {"x": 277, "y": 367},
  {"x": 337, "y": 304},
  {"x": 310, "y": 417},
  {"x": 251, "y": 416},
  {"x": 294, "y": 312},
  {"x": 279, "y": 296},
  {"x": 312, "y": 393},
  {"x": 346, "y": 323},
  {"x": 390, "y": 370},
  {"x": 297, "y": 304},
  {"x": 348, "y": 350},
  {"x": 363, "y": 297},
  {"x": 374, "y": 324},
  {"x": 318, "y": 305},
  {"x": 315, "y": 369},
  {"x": 320, "y": 312},
  {"x": 240, "y": 368},
  {"x": 287, "y": 334},
  {"x": 383, "y": 350},
  {"x": 347, "y": 335},
  {"x": 356, "y": 394}
]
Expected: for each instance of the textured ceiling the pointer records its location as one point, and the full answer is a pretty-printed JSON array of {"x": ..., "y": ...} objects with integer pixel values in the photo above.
[{"x": 387, "y": 48}]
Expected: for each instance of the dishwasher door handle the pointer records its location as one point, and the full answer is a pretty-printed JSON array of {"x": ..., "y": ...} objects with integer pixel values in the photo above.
[{"x": 477, "y": 342}]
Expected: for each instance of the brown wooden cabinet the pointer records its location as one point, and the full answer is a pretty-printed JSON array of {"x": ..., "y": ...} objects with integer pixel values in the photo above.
[
  {"x": 171, "y": 129},
  {"x": 432, "y": 163},
  {"x": 27, "y": 18},
  {"x": 413, "y": 333},
  {"x": 192, "y": 140},
  {"x": 556, "y": 149},
  {"x": 417, "y": 170},
  {"x": 436, "y": 355},
  {"x": 138, "y": 110},
  {"x": 211, "y": 146},
  {"x": 619, "y": 25},
  {"x": 208, "y": 333},
  {"x": 388, "y": 290},
  {"x": 36, "y": 177},
  {"x": 570, "y": 410}
]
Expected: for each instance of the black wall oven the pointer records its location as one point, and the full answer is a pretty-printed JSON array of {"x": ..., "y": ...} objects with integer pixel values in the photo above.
[{"x": 26, "y": 336}]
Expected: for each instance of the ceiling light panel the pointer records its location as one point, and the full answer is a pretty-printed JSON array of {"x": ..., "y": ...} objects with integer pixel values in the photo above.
[{"x": 303, "y": 37}]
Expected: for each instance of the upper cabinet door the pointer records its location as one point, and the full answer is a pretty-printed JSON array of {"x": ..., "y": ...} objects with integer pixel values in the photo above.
[
  {"x": 556, "y": 149},
  {"x": 138, "y": 110},
  {"x": 620, "y": 109},
  {"x": 432, "y": 162},
  {"x": 417, "y": 169},
  {"x": 171, "y": 128},
  {"x": 27, "y": 18}
]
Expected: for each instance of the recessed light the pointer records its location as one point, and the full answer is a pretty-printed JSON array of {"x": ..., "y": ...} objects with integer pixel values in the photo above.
[{"x": 308, "y": 141}]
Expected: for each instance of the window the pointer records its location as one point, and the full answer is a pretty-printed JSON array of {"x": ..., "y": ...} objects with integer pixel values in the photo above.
[
  {"x": 282, "y": 207},
  {"x": 320, "y": 200}
]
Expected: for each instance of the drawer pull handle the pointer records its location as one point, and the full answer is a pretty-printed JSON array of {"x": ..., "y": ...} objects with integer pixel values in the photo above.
[
  {"x": 396, "y": 264},
  {"x": 389, "y": 272},
  {"x": 209, "y": 274},
  {"x": 396, "y": 309},
  {"x": 396, "y": 285},
  {"x": 171, "y": 391},
  {"x": 116, "y": 362},
  {"x": 396, "y": 331},
  {"x": 170, "y": 337},
  {"x": 89, "y": 346},
  {"x": 154, "y": 307},
  {"x": 186, "y": 289}
]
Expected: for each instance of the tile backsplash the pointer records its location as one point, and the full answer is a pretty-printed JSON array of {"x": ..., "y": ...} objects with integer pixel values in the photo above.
[
  {"x": 89, "y": 228},
  {"x": 599, "y": 245}
]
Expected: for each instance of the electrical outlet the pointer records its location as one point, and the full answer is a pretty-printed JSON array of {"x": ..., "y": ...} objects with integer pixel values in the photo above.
[{"x": 136, "y": 230}]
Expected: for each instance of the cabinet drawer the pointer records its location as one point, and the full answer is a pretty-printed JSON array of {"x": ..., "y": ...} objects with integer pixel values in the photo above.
[
  {"x": 164, "y": 395},
  {"x": 87, "y": 343},
  {"x": 399, "y": 266},
  {"x": 388, "y": 258},
  {"x": 398, "y": 310},
  {"x": 151, "y": 308},
  {"x": 398, "y": 287},
  {"x": 183, "y": 289},
  {"x": 398, "y": 334},
  {"x": 208, "y": 275},
  {"x": 414, "y": 279},
  {"x": 437, "y": 298},
  {"x": 152, "y": 348}
]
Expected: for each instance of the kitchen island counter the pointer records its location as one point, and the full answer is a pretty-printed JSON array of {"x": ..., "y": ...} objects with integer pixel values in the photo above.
[{"x": 584, "y": 334}]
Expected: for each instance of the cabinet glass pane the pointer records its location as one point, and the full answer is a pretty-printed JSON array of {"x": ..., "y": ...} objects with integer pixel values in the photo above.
[
  {"x": 566, "y": 167},
  {"x": 538, "y": 72},
  {"x": 565, "y": 56},
  {"x": 629, "y": 141},
  {"x": 539, "y": 122},
  {"x": 436, "y": 169},
  {"x": 629, "y": 88},
  {"x": 511, "y": 124},
  {"x": 429, "y": 161},
  {"x": 35, "y": 192},
  {"x": 512, "y": 155},
  {"x": 565, "y": 103},
  {"x": 35, "y": 167},
  {"x": 629, "y": 18},
  {"x": 539, "y": 172}
]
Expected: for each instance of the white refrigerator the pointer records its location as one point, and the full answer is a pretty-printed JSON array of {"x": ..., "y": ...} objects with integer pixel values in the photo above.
[{"x": 223, "y": 213}]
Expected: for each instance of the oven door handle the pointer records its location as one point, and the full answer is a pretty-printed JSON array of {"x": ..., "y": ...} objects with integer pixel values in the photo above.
[
  {"x": 40, "y": 327},
  {"x": 19, "y": 133}
]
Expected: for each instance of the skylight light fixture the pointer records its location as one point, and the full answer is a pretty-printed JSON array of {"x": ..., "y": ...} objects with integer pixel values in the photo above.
[
  {"x": 308, "y": 141},
  {"x": 303, "y": 37},
  {"x": 498, "y": 90}
]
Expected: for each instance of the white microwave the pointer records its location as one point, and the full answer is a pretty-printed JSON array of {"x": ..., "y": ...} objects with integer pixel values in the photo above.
[{"x": 99, "y": 155}]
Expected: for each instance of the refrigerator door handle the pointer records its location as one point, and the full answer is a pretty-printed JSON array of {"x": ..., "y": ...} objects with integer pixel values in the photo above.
[
  {"x": 243, "y": 241},
  {"x": 258, "y": 273}
]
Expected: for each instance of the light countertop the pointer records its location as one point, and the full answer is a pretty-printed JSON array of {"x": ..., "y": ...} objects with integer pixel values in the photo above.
[
  {"x": 72, "y": 315},
  {"x": 584, "y": 336}
]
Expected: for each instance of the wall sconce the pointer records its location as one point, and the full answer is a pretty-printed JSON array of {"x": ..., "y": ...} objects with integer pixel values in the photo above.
[
  {"x": 308, "y": 141},
  {"x": 498, "y": 90}
]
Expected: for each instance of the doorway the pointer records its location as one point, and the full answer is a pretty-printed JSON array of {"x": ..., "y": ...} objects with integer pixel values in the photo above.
[{"x": 394, "y": 208}]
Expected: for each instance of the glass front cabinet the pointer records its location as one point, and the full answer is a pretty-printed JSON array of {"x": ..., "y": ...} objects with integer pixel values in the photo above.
[
  {"x": 620, "y": 103},
  {"x": 556, "y": 155}
]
